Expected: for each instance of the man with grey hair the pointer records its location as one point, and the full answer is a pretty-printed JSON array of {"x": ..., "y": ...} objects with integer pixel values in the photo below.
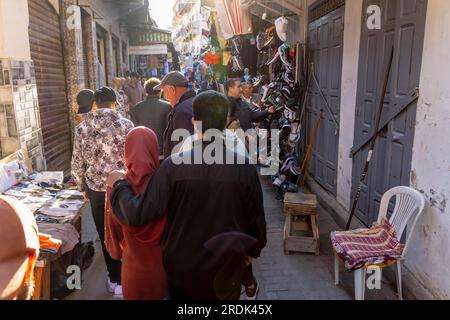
[{"x": 175, "y": 90}]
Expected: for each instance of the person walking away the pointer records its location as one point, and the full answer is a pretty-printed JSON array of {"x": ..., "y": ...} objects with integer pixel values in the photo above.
[
  {"x": 99, "y": 149},
  {"x": 143, "y": 275},
  {"x": 175, "y": 89},
  {"x": 134, "y": 90},
  {"x": 85, "y": 102},
  {"x": 152, "y": 112},
  {"x": 122, "y": 99},
  {"x": 196, "y": 254}
]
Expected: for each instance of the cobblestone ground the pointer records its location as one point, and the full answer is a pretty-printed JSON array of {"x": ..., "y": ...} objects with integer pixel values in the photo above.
[{"x": 282, "y": 277}]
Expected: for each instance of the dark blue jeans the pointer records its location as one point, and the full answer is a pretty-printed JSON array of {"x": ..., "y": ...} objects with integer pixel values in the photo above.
[{"x": 97, "y": 200}]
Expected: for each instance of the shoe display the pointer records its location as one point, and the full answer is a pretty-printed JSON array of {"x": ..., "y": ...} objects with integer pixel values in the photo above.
[{"x": 283, "y": 95}]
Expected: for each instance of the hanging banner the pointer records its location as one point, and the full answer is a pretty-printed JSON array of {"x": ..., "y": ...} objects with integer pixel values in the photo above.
[{"x": 233, "y": 17}]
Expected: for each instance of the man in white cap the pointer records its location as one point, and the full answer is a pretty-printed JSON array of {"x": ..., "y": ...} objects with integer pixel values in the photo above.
[{"x": 19, "y": 250}]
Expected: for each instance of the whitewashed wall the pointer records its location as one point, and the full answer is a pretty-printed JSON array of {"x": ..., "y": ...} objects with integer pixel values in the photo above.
[{"x": 429, "y": 258}]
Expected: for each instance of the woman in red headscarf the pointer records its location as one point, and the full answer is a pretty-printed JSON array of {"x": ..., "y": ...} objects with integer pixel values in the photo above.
[{"x": 143, "y": 275}]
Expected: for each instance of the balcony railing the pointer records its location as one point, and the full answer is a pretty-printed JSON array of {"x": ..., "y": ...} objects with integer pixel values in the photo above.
[{"x": 142, "y": 37}]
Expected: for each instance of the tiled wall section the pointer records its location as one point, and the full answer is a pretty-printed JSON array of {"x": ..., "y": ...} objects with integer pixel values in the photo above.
[{"x": 20, "y": 125}]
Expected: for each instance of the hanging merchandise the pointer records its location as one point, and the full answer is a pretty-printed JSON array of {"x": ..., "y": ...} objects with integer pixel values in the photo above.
[
  {"x": 219, "y": 70},
  {"x": 234, "y": 18},
  {"x": 283, "y": 93},
  {"x": 281, "y": 25},
  {"x": 212, "y": 58},
  {"x": 226, "y": 57}
]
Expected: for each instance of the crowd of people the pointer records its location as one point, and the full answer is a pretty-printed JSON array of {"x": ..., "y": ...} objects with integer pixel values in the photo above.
[{"x": 169, "y": 230}]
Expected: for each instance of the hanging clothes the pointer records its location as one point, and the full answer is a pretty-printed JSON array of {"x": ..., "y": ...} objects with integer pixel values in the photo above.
[{"x": 233, "y": 17}]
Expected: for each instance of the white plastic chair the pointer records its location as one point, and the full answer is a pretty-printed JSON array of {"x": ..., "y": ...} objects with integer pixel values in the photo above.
[{"x": 409, "y": 205}]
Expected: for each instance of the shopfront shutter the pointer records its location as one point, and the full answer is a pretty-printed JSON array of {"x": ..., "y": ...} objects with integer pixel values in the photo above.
[{"x": 47, "y": 54}]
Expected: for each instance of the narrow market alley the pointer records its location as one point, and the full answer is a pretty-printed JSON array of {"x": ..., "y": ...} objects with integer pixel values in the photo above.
[
  {"x": 282, "y": 277},
  {"x": 341, "y": 106}
]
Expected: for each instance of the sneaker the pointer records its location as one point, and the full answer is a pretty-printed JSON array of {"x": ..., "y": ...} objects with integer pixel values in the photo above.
[
  {"x": 269, "y": 36},
  {"x": 235, "y": 45},
  {"x": 286, "y": 164},
  {"x": 260, "y": 39},
  {"x": 289, "y": 114},
  {"x": 288, "y": 77},
  {"x": 275, "y": 57},
  {"x": 267, "y": 91},
  {"x": 237, "y": 63},
  {"x": 252, "y": 291},
  {"x": 283, "y": 51},
  {"x": 118, "y": 291},
  {"x": 264, "y": 161},
  {"x": 292, "y": 187},
  {"x": 264, "y": 57},
  {"x": 257, "y": 81},
  {"x": 287, "y": 92},
  {"x": 278, "y": 181},
  {"x": 111, "y": 286},
  {"x": 281, "y": 25},
  {"x": 295, "y": 170}
]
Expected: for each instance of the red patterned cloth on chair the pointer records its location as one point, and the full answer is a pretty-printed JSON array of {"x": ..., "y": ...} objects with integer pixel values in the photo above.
[{"x": 361, "y": 247}]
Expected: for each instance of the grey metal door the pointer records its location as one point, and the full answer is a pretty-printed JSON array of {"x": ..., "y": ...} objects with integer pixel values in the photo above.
[
  {"x": 402, "y": 26},
  {"x": 325, "y": 52}
]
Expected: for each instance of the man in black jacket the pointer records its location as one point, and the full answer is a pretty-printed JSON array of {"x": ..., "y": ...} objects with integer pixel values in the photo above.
[
  {"x": 152, "y": 112},
  {"x": 175, "y": 89},
  {"x": 242, "y": 110},
  {"x": 212, "y": 211}
]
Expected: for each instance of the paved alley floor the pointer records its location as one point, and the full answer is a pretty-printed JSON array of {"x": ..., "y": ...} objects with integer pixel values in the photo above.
[
  {"x": 303, "y": 276},
  {"x": 296, "y": 276}
]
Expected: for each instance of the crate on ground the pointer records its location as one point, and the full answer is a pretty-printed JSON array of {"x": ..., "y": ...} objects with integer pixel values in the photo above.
[
  {"x": 301, "y": 230},
  {"x": 300, "y": 203}
]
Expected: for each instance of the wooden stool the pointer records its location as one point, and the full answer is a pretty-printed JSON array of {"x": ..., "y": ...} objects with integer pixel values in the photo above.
[{"x": 301, "y": 229}]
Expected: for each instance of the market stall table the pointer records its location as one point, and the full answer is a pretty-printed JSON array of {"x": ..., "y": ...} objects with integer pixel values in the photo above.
[{"x": 57, "y": 208}]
